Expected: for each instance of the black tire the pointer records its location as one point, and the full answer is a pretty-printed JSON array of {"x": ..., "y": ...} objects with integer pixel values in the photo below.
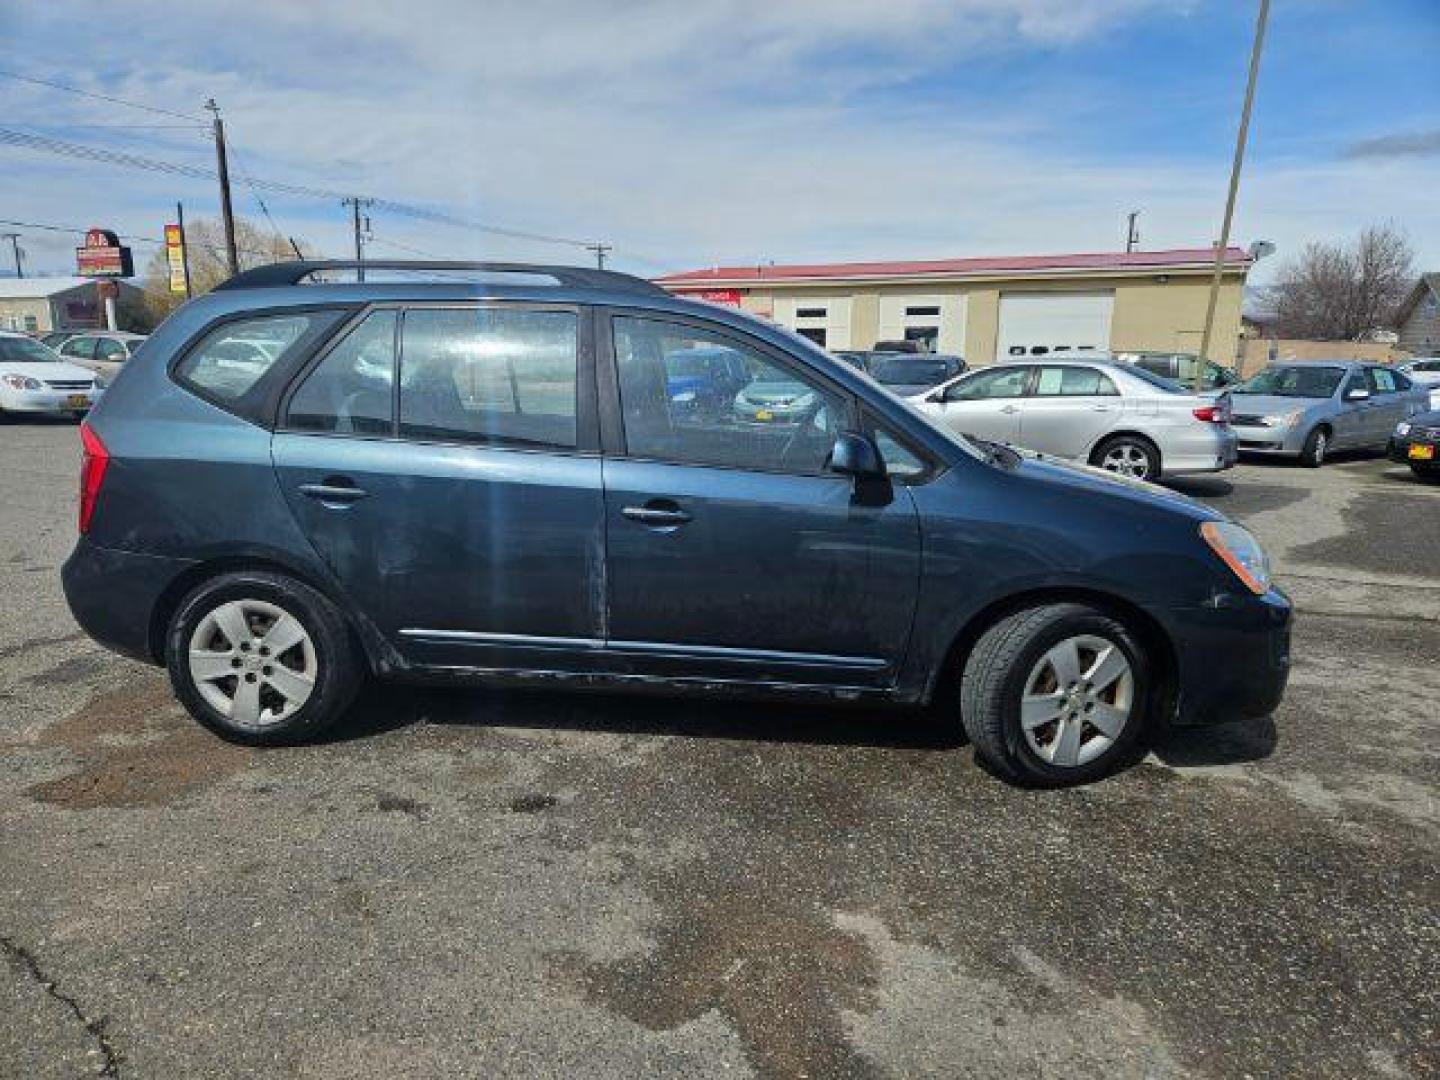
[
  {"x": 338, "y": 675},
  {"x": 994, "y": 682},
  {"x": 1132, "y": 446},
  {"x": 1317, "y": 446},
  {"x": 1426, "y": 472}
]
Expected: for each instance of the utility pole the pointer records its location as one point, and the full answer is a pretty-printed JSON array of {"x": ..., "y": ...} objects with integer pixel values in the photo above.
[
  {"x": 222, "y": 166},
  {"x": 14, "y": 238},
  {"x": 1131, "y": 236},
  {"x": 355, "y": 202},
  {"x": 184, "y": 248},
  {"x": 1240, "y": 138},
  {"x": 600, "y": 251}
]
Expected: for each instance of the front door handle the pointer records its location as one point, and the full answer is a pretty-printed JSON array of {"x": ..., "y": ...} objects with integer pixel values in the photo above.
[
  {"x": 1010, "y": 409},
  {"x": 1099, "y": 408},
  {"x": 336, "y": 490},
  {"x": 658, "y": 513}
]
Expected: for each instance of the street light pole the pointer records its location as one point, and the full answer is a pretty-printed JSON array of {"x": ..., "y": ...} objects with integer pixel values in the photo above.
[{"x": 1240, "y": 139}]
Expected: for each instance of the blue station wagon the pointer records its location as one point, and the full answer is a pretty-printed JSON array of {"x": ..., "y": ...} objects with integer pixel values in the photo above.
[{"x": 302, "y": 482}]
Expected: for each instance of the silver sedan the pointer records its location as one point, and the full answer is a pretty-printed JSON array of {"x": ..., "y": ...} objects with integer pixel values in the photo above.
[{"x": 1115, "y": 416}]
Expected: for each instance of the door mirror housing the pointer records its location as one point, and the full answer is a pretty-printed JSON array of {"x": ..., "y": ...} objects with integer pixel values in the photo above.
[
  {"x": 1357, "y": 395},
  {"x": 856, "y": 455}
]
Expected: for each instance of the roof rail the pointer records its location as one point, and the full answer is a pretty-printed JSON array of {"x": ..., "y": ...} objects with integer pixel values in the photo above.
[{"x": 281, "y": 274}]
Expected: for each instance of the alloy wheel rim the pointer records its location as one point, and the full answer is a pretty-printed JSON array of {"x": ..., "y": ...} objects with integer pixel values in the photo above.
[
  {"x": 1127, "y": 459},
  {"x": 1078, "y": 699},
  {"x": 1320, "y": 445},
  {"x": 253, "y": 662}
]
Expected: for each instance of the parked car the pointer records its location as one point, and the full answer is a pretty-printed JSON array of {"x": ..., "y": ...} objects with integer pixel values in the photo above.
[
  {"x": 1115, "y": 416},
  {"x": 274, "y": 540},
  {"x": 1416, "y": 442},
  {"x": 1425, "y": 371},
  {"x": 1305, "y": 410},
  {"x": 1180, "y": 368},
  {"x": 899, "y": 345},
  {"x": 704, "y": 381},
  {"x": 906, "y": 374},
  {"x": 103, "y": 352},
  {"x": 33, "y": 379},
  {"x": 777, "y": 400},
  {"x": 56, "y": 338}
]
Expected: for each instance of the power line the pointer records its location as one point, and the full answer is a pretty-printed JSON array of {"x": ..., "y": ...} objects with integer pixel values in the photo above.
[
  {"x": 98, "y": 97},
  {"x": 79, "y": 231}
]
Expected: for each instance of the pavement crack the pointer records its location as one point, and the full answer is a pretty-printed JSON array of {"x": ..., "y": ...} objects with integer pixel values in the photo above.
[{"x": 96, "y": 1026}]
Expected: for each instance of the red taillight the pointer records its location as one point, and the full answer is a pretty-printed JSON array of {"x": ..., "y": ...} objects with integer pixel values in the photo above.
[
  {"x": 94, "y": 459},
  {"x": 1213, "y": 414}
]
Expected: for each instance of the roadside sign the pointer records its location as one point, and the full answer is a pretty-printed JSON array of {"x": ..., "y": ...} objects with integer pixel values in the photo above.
[
  {"x": 103, "y": 256},
  {"x": 175, "y": 257},
  {"x": 730, "y": 297}
]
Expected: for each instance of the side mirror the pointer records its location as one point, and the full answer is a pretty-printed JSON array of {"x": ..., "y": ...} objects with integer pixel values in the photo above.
[
  {"x": 1357, "y": 395},
  {"x": 855, "y": 455}
]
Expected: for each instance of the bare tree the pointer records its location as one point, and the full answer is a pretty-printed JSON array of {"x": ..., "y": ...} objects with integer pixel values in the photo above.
[
  {"x": 205, "y": 239},
  {"x": 1338, "y": 292}
]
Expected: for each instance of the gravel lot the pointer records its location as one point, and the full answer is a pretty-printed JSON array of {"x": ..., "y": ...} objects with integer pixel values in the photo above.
[{"x": 532, "y": 884}]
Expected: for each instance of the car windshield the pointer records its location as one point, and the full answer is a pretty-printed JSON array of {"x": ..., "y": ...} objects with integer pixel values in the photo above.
[
  {"x": 1299, "y": 381},
  {"x": 900, "y": 369},
  {"x": 24, "y": 350},
  {"x": 1170, "y": 386}
]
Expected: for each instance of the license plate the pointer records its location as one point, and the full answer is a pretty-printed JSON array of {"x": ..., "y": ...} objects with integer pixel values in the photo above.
[
  {"x": 77, "y": 401},
  {"x": 764, "y": 414},
  {"x": 1419, "y": 452}
]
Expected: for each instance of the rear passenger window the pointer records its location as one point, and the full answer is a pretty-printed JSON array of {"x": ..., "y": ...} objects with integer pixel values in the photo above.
[
  {"x": 503, "y": 376},
  {"x": 352, "y": 391},
  {"x": 236, "y": 355},
  {"x": 1074, "y": 382},
  {"x": 1383, "y": 380}
]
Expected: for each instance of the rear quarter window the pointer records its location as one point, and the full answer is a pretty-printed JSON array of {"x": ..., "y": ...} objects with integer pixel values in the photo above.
[{"x": 232, "y": 358}]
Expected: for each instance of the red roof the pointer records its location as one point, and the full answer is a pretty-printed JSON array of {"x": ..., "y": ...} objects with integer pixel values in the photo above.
[{"x": 1104, "y": 260}]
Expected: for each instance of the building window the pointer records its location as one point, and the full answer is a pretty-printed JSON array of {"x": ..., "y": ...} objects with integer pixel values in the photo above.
[
  {"x": 811, "y": 312},
  {"x": 927, "y": 336},
  {"x": 929, "y": 312},
  {"x": 31, "y": 323},
  {"x": 814, "y": 333}
]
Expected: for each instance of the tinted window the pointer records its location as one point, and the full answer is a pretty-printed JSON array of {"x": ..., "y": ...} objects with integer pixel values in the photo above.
[
  {"x": 236, "y": 355},
  {"x": 81, "y": 348},
  {"x": 776, "y": 418},
  {"x": 1298, "y": 380},
  {"x": 503, "y": 376},
  {"x": 23, "y": 350},
  {"x": 1158, "y": 381},
  {"x": 1074, "y": 382},
  {"x": 1001, "y": 383},
  {"x": 110, "y": 350},
  {"x": 1357, "y": 381},
  {"x": 351, "y": 392},
  {"x": 899, "y": 369},
  {"x": 1160, "y": 365},
  {"x": 900, "y": 462}
]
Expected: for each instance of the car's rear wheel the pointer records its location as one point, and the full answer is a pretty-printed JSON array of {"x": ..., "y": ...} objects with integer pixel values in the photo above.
[
  {"x": 1129, "y": 455},
  {"x": 260, "y": 658},
  {"x": 1426, "y": 472},
  {"x": 1317, "y": 445},
  {"x": 1055, "y": 695}
]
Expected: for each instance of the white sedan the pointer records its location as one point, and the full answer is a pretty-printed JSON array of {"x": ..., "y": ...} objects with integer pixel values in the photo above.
[{"x": 33, "y": 379}]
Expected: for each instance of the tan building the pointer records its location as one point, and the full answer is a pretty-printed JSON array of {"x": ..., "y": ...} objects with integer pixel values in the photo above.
[
  {"x": 40, "y": 304},
  {"x": 991, "y": 309}
]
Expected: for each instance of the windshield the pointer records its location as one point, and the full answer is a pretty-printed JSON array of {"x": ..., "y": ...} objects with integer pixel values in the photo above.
[
  {"x": 1300, "y": 381},
  {"x": 1170, "y": 386},
  {"x": 899, "y": 369},
  {"x": 23, "y": 350}
]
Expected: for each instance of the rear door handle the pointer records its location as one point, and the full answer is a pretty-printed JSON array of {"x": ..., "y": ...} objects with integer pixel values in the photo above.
[
  {"x": 334, "y": 490},
  {"x": 656, "y": 515}
]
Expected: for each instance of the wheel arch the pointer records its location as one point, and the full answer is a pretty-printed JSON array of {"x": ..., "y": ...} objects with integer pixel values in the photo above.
[
  {"x": 944, "y": 684},
  {"x": 1126, "y": 432}
]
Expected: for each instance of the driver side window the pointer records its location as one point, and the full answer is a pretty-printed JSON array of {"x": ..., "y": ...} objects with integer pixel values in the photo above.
[{"x": 695, "y": 396}]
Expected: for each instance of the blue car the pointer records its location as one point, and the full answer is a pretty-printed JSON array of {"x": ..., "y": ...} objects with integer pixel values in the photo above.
[
  {"x": 704, "y": 381},
  {"x": 300, "y": 484}
]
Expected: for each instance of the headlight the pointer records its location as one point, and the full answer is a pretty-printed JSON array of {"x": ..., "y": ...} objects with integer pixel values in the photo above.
[
  {"x": 100, "y": 383},
  {"x": 1241, "y": 552},
  {"x": 23, "y": 382},
  {"x": 1403, "y": 428},
  {"x": 1284, "y": 419}
]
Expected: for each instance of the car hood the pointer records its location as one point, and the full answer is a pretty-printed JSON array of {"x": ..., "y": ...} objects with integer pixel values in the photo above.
[
  {"x": 1087, "y": 480},
  {"x": 763, "y": 392},
  {"x": 1271, "y": 404},
  {"x": 48, "y": 369}
]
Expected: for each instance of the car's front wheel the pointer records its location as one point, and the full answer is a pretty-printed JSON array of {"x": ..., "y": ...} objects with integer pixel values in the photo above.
[
  {"x": 260, "y": 658},
  {"x": 1317, "y": 445},
  {"x": 1055, "y": 695}
]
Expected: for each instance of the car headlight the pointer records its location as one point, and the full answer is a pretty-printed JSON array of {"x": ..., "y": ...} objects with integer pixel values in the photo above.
[
  {"x": 1284, "y": 419},
  {"x": 1241, "y": 552},
  {"x": 23, "y": 382},
  {"x": 100, "y": 383}
]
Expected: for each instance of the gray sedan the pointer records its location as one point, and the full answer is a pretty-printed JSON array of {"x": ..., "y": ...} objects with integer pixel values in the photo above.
[
  {"x": 1306, "y": 410},
  {"x": 1117, "y": 416}
]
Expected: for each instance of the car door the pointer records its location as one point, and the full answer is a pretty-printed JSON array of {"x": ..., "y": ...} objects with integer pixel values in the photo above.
[
  {"x": 1387, "y": 406},
  {"x": 1068, "y": 410},
  {"x": 984, "y": 404},
  {"x": 732, "y": 552},
  {"x": 459, "y": 502},
  {"x": 1353, "y": 421}
]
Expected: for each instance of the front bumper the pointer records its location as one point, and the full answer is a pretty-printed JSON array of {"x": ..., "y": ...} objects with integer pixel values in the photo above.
[
  {"x": 48, "y": 401},
  {"x": 1280, "y": 441},
  {"x": 114, "y": 595},
  {"x": 1232, "y": 657}
]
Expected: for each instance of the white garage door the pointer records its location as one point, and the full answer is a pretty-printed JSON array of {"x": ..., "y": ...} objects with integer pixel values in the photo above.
[{"x": 1033, "y": 324}]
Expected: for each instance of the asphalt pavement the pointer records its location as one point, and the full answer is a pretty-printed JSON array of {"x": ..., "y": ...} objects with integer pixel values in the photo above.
[{"x": 525, "y": 884}]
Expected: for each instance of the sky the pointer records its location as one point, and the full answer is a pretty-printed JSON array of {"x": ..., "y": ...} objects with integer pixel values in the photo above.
[{"x": 692, "y": 134}]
